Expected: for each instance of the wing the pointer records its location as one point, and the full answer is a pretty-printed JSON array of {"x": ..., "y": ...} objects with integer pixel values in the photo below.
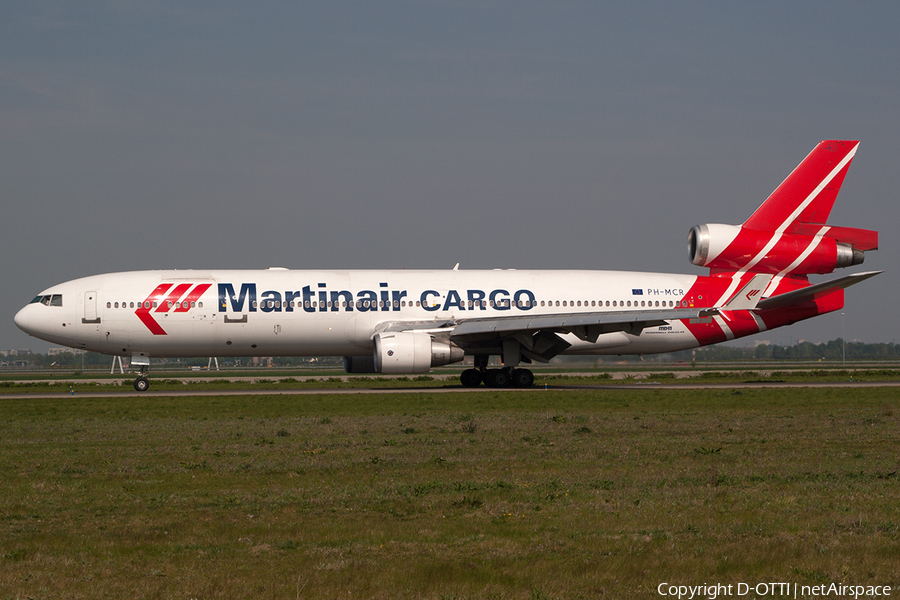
[{"x": 539, "y": 335}]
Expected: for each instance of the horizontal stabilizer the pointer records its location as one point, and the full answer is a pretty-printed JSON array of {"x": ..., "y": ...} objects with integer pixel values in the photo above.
[{"x": 814, "y": 291}]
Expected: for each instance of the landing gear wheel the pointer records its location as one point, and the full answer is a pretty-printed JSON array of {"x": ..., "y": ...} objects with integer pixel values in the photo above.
[
  {"x": 142, "y": 384},
  {"x": 470, "y": 378},
  {"x": 522, "y": 378},
  {"x": 496, "y": 378}
]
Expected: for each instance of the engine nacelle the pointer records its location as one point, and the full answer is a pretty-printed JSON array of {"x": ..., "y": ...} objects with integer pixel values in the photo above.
[
  {"x": 732, "y": 247},
  {"x": 410, "y": 352}
]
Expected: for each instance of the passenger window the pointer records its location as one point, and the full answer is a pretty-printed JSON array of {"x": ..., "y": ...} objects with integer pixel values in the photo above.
[{"x": 108, "y": 305}]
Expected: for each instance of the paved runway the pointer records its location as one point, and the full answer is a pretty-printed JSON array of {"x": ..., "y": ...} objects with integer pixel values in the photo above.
[{"x": 449, "y": 389}]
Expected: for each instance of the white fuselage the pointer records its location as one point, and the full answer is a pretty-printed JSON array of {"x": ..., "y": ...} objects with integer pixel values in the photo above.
[{"x": 280, "y": 312}]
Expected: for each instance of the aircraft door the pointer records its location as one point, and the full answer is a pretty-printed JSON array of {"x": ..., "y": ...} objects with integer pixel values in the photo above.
[{"x": 90, "y": 308}]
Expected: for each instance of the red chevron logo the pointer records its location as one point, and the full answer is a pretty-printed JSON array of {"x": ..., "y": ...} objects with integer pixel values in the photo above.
[{"x": 166, "y": 297}]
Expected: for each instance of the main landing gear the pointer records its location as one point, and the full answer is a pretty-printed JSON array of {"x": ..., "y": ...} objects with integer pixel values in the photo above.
[{"x": 497, "y": 378}]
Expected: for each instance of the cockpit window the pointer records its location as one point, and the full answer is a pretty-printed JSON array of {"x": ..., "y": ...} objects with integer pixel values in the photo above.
[{"x": 48, "y": 300}]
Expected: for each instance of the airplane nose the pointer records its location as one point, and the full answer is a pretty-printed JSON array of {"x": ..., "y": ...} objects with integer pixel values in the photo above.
[{"x": 23, "y": 320}]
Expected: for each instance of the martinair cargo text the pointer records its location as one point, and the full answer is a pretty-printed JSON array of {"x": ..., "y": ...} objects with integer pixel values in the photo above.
[{"x": 410, "y": 321}]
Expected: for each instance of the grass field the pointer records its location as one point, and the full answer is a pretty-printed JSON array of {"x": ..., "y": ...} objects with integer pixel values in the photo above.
[{"x": 537, "y": 494}]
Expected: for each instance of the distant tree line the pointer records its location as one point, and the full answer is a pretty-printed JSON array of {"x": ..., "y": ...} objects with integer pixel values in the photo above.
[
  {"x": 804, "y": 351},
  {"x": 94, "y": 360},
  {"x": 833, "y": 350}
]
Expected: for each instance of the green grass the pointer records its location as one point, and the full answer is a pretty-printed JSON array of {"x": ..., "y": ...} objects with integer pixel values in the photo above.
[{"x": 534, "y": 494}]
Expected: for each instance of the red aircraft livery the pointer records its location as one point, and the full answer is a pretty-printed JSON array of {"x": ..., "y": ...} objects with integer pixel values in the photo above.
[{"x": 174, "y": 298}]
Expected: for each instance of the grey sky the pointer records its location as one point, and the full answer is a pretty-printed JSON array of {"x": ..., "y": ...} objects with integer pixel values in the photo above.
[{"x": 139, "y": 135}]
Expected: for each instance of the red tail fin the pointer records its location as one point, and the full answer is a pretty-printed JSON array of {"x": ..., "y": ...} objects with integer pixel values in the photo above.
[
  {"x": 787, "y": 234},
  {"x": 809, "y": 192}
]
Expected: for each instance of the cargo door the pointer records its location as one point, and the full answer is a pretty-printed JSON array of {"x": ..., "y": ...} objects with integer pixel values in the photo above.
[{"x": 90, "y": 308}]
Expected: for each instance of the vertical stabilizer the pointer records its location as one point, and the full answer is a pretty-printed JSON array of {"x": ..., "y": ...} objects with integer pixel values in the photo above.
[
  {"x": 809, "y": 192},
  {"x": 787, "y": 235}
]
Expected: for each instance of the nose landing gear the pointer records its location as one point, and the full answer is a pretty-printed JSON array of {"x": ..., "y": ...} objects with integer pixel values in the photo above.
[{"x": 142, "y": 384}]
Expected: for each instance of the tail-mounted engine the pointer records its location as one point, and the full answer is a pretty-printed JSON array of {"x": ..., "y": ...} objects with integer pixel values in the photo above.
[
  {"x": 803, "y": 249},
  {"x": 409, "y": 352}
]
